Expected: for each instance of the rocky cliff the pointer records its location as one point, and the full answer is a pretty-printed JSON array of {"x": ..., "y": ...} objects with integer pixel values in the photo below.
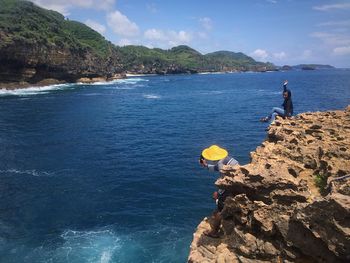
[
  {"x": 40, "y": 46},
  {"x": 31, "y": 64},
  {"x": 292, "y": 202}
]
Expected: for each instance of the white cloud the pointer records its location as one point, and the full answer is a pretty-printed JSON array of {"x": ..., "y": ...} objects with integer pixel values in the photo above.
[
  {"x": 121, "y": 25},
  {"x": 332, "y": 39},
  {"x": 280, "y": 55},
  {"x": 96, "y": 26},
  {"x": 63, "y": 6},
  {"x": 260, "y": 54},
  {"x": 124, "y": 42},
  {"x": 272, "y": 1},
  {"x": 155, "y": 34},
  {"x": 167, "y": 38},
  {"x": 59, "y": 6},
  {"x": 345, "y": 23},
  {"x": 206, "y": 23},
  {"x": 341, "y": 51},
  {"x": 341, "y": 6}
]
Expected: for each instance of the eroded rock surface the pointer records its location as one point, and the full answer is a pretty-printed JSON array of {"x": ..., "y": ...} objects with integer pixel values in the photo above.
[{"x": 276, "y": 213}]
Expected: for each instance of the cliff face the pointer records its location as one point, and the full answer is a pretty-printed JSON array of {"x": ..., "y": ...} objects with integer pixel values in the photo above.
[
  {"x": 21, "y": 62},
  {"x": 276, "y": 212},
  {"x": 41, "y": 45}
]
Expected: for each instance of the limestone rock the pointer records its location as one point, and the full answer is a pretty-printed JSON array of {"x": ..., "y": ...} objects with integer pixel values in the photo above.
[{"x": 292, "y": 202}]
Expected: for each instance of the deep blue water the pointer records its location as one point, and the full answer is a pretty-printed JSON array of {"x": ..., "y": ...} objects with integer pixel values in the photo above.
[{"x": 109, "y": 172}]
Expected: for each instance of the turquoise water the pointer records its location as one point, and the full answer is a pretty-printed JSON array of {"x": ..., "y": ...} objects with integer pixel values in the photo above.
[{"x": 109, "y": 172}]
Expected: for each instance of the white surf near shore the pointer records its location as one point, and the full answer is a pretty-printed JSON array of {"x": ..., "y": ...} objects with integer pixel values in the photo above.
[
  {"x": 50, "y": 88},
  {"x": 35, "y": 90}
]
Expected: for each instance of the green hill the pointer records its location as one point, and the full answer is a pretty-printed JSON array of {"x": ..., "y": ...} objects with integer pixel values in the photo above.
[
  {"x": 23, "y": 21},
  {"x": 183, "y": 59},
  {"x": 238, "y": 61},
  {"x": 38, "y": 44}
]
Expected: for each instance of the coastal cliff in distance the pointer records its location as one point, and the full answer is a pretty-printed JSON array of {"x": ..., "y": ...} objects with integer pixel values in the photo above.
[
  {"x": 292, "y": 202},
  {"x": 40, "y": 46}
]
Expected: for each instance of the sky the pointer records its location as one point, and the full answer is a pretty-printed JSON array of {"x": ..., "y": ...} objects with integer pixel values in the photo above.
[{"x": 284, "y": 32}]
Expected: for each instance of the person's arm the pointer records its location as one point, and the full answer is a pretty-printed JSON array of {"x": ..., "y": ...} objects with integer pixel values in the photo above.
[
  {"x": 213, "y": 167},
  {"x": 285, "y": 85},
  {"x": 210, "y": 167}
]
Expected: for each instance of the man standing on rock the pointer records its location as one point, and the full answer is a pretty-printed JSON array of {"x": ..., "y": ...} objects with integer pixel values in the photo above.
[{"x": 214, "y": 158}]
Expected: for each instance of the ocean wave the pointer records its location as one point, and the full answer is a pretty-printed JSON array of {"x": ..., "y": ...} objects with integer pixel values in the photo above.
[
  {"x": 34, "y": 90},
  {"x": 113, "y": 82},
  {"x": 130, "y": 87},
  {"x": 124, "y": 84},
  {"x": 90, "y": 246},
  {"x": 131, "y": 80},
  {"x": 27, "y": 172},
  {"x": 214, "y": 92},
  {"x": 151, "y": 96},
  {"x": 49, "y": 88},
  {"x": 76, "y": 246}
]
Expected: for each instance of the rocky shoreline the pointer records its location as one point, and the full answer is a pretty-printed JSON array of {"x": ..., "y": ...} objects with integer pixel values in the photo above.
[
  {"x": 50, "y": 81},
  {"x": 292, "y": 202},
  {"x": 90, "y": 80}
]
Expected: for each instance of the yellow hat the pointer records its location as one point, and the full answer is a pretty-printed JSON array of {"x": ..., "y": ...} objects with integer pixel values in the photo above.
[{"x": 214, "y": 153}]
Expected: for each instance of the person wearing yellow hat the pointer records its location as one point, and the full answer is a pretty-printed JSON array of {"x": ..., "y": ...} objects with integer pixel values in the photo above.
[{"x": 214, "y": 158}]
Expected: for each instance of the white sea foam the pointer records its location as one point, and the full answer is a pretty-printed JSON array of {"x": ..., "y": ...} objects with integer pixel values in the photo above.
[
  {"x": 151, "y": 96},
  {"x": 34, "y": 90},
  {"x": 77, "y": 246},
  {"x": 27, "y": 172},
  {"x": 131, "y": 80},
  {"x": 214, "y": 92},
  {"x": 123, "y": 84},
  {"x": 140, "y": 75},
  {"x": 113, "y": 82},
  {"x": 47, "y": 89},
  {"x": 204, "y": 73},
  {"x": 90, "y": 246}
]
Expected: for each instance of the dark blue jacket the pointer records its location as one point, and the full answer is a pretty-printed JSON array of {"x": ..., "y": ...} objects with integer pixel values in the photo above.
[{"x": 287, "y": 103}]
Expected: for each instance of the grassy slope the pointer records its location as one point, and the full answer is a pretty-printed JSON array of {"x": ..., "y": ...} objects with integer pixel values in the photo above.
[{"x": 22, "y": 21}]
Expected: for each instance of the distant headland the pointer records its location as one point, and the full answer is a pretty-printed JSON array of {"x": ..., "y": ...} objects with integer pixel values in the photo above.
[{"x": 42, "y": 48}]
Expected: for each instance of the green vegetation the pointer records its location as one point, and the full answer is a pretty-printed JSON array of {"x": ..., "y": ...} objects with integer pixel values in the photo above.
[
  {"x": 311, "y": 67},
  {"x": 321, "y": 183},
  {"x": 185, "y": 59},
  {"x": 31, "y": 33},
  {"x": 25, "y": 23}
]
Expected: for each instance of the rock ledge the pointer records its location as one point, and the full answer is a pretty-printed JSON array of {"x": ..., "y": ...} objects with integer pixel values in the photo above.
[{"x": 276, "y": 212}]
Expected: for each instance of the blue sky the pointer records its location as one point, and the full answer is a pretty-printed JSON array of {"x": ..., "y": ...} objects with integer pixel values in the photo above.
[{"x": 280, "y": 31}]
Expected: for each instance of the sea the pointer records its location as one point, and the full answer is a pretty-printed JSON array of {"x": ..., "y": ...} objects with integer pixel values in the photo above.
[{"x": 109, "y": 172}]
